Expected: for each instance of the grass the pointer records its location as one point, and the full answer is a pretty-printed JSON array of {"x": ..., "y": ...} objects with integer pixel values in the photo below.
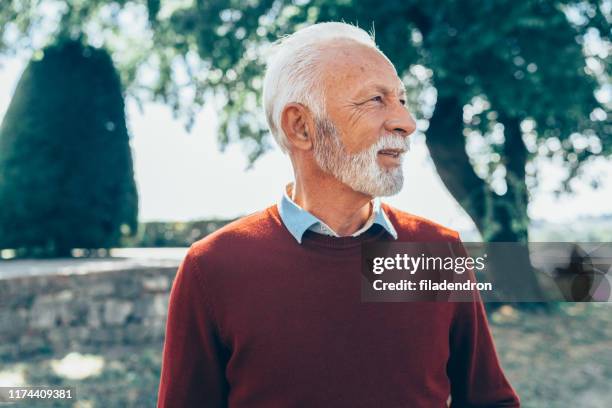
[{"x": 558, "y": 360}]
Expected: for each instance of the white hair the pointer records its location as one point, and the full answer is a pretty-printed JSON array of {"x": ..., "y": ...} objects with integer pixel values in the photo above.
[{"x": 293, "y": 72}]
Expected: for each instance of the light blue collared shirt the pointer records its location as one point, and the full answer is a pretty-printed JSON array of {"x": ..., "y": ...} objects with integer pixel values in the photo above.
[{"x": 298, "y": 221}]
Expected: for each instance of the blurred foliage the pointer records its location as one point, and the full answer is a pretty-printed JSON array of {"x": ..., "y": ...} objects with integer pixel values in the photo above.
[
  {"x": 172, "y": 234},
  {"x": 66, "y": 177},
  {"x": 584, "y": 229},
  {"x": 495, "y": 85}
]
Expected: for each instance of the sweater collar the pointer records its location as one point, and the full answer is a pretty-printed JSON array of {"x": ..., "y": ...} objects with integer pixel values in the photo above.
[{"x": 298, "y": 220}]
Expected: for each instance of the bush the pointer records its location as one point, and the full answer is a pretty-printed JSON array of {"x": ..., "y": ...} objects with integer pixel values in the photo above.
[{"x": 66, "y": 175}]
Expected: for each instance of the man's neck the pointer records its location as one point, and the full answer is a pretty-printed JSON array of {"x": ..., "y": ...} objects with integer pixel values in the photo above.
[{"x": 341, "y": 208}]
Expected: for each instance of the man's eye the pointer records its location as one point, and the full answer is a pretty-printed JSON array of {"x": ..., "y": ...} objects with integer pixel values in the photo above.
[
  {"x": 377, "y": 98},
  {"x": 403, "y": 102}
]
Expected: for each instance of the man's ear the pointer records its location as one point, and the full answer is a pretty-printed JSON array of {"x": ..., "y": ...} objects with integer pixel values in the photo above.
[{"x": 298, "y": 125}]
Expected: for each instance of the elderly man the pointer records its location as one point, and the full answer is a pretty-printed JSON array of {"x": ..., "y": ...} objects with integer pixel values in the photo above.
[{"x": 266, "y": 312}]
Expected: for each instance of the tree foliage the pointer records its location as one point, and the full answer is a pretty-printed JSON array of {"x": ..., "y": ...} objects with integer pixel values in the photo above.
[{"x": 495, "y": 84}]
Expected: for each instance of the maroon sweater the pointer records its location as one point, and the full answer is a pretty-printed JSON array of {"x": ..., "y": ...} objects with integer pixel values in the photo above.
[{"x": 257, "y": 320}]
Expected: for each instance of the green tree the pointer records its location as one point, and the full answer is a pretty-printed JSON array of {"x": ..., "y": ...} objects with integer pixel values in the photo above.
[
  {"x": 66, "y": 177},
  {"x": 516, "y": 76}
]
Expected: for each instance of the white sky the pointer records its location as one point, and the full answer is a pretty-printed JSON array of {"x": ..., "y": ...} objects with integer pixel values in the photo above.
[{"x": 183, "y": 176}]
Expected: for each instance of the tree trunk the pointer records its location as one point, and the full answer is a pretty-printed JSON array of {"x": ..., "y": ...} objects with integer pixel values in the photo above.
[
  {"x": 447, "y": 147},
  {"x": 498, "y": 218},
  {"x": 511, "y": 209}
]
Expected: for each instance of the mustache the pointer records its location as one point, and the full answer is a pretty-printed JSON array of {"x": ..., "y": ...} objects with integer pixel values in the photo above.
[{"x": 392, "y": 141}]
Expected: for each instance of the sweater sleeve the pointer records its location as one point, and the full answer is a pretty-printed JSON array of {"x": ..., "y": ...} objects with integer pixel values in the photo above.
[
  {"x": 474, "y": 370},
  {"x": 193, "y": 362}
]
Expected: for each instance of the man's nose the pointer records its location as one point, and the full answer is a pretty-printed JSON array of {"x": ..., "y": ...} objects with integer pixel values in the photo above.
[{"x": 400, "y": 121}]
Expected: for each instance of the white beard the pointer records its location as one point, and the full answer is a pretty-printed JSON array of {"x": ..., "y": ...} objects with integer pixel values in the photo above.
[{"x": 360, "y": 171}]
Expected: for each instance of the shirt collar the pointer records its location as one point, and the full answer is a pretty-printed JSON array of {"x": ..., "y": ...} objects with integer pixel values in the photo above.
[{"x": 298, "y": 221}]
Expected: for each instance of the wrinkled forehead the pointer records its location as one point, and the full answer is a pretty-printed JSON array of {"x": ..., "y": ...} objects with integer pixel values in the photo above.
[{"x": 348, "y": 67}]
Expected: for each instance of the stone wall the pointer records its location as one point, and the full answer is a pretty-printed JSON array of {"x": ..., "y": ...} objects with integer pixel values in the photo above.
[{"x": 55, "y": 314}]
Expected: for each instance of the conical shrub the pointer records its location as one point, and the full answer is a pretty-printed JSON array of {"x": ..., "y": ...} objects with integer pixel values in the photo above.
[{"x": 66, "y": 173}]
